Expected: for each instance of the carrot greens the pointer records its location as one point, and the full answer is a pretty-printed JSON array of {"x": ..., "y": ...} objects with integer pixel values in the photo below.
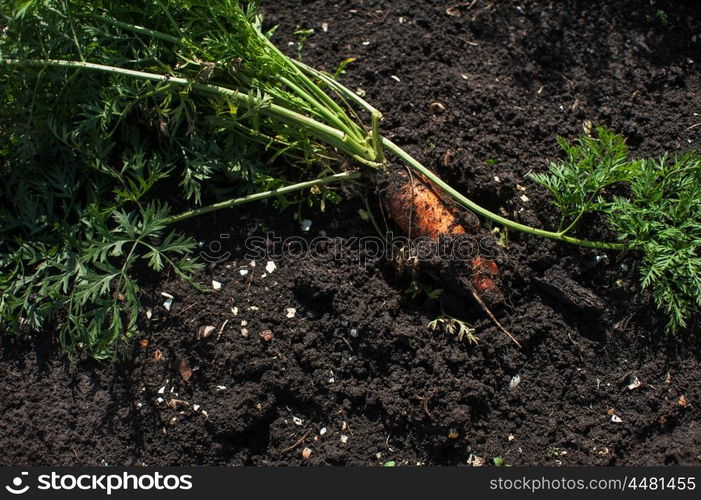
[{"x": 659, "y": 215}]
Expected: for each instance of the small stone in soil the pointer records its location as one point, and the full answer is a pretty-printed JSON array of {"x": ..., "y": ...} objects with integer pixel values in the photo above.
[
  {"x": 635, "y": 383},
  {"x": 204, "y": 331},
  {"x": 266, "y": 335},
  {"x": 270, "y": 266},
  {"x": 185, "y": 370},
  {"x": 436, "y": 107}
]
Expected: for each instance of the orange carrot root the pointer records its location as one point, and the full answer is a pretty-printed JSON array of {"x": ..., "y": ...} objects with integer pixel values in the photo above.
[
  {"x": 483, "y": 273},
  {"x": 416, "y": 209}
]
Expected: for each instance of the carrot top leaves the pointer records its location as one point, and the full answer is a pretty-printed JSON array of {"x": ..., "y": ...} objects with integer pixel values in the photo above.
[
  {"x": 106, "y": 108},
  {"x": 660, "y": 216},
  {"x": 592, "y": 164},
  {"x": 662, "y": 220}
]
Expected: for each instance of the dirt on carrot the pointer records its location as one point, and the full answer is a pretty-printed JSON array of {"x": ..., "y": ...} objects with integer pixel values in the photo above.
[{"x": 416, "y": 208}]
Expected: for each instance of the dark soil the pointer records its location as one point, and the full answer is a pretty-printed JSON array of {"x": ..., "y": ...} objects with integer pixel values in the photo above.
[{"x": 358, "y": 358}]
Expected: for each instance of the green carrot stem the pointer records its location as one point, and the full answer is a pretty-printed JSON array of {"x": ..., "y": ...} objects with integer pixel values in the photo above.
[
  {"x": 139, "y": 29},
  {"x": 341, "y": 177},
  {"x": 322, "y": 110},
  {"x": 321, "y": 102},
  {"x": 376, "y": 137},
  {"x": 320, "y": 94},
  {"x": 463, "y": 200},
  {"x": 338, "y": 87},
  {"x": 474, "y": 207},
  {"x": 332, "y": 136}
]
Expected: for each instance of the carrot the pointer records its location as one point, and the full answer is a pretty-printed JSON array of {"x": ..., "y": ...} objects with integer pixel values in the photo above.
[
  {"x": 416, "y": 209},
  {"x": 484, "y": 271}
]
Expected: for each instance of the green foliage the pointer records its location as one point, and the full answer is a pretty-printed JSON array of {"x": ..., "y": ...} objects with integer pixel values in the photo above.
[
  {"x": 303, "y": 35},
  {"x": 592, "y": 164},
  {"x": 659, "y": 217},
  {"x": 109, "y": 110},
  {"x": 341, "y": 69},
  {"x": 662, "y": 219},
  {"x": 85, "y": 272},
  {"x": 89, "y": 159},
  {"x": 662, "y": 17},
  {"x": 454, "y": 326}
]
